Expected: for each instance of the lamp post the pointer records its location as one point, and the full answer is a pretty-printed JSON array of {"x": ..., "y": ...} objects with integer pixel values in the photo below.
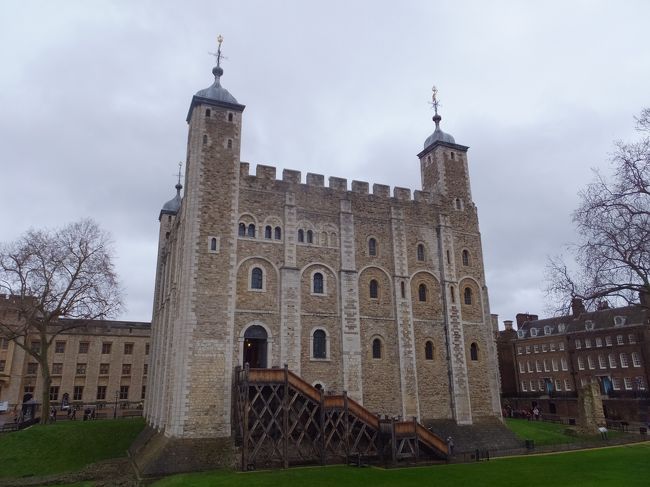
[{"x": 115, "y": 407}]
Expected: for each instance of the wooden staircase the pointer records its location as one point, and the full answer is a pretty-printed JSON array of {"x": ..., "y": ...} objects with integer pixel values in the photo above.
[{"x": 282, "y": 420}]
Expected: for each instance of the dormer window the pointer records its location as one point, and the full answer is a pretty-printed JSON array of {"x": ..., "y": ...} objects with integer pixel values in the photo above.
[
  {"x": 533, "y": 332},
  {"x": 589, "y": 325},
  {"x": 561, "y": 327},
  {"x": 547, "y": 330},
  {"x": 619, "y": 320},
  {"x": 521, "y": 333}
]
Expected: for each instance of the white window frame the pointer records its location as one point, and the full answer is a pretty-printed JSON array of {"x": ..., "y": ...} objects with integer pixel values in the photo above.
[
  {"x": 567, "y": 385},
  {"x": 616, "y": 383},
  {"x": 625, "y": 361},
  {"x": 636, "y": 359},
  {"x": 522, "y": 367},
  {"x": 620, "y": 340},
  {"x": 631, "y": 339},
  {"x": 599, "y": 342},
  {"x": 536, "y": 348},
  {"x": 627, "y": 381},
  {"x": 612, "y": 361},
  {"x": 581, "y": 363},
  {"x": 578, "y": 344},
  {"x": 560, "y": 346},
  {"x": 554, "y": 365},
  {"x": 564, "y": 364},
  {"x": 587, "y": 342},
  {"x": 538, "y": 366},
  {"x": 608, "y": 341},
  {"x": 591, "y": 363},
  {"x": 602, "y": 363}
]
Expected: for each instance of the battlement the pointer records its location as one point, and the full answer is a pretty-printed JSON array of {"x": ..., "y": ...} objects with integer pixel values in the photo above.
[{"x": 340, "y": 185}]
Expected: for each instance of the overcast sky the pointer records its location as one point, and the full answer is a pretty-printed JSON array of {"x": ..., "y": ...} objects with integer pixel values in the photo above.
[{"x": 94, "y": 95}]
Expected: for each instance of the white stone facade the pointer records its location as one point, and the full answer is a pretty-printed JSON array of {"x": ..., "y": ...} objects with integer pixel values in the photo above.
[{"x": 403, "y": 273}]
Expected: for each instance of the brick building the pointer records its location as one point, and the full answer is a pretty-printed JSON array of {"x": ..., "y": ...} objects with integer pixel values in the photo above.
[
  {"x": 546, "y": 361},
  {"x": 356, "y": 289},
  {"x": 88, "y": 364}
]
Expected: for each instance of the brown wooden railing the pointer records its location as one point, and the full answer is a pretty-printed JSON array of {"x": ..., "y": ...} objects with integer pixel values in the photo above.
[{"x": 335, "y": 424}]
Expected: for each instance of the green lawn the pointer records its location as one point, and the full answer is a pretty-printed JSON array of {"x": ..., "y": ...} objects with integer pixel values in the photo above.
[
  {"x": 627, "y": 465},
  {"x": 64, "y": 446},
  {"x": 548, "y": 433}
]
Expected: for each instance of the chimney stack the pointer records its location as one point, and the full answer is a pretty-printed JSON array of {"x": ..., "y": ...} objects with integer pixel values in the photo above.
[
  {"x": 508, "y": 325},
  {"x": 577, "y": 306},
  {"x": 524, "y": 317}
]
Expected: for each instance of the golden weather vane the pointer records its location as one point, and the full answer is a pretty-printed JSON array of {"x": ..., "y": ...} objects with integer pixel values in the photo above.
[
  {"x": 434, "y": 99},
  {"x": 218, "y": 54}
]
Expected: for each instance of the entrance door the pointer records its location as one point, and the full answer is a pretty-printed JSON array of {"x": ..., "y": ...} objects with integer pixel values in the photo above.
[{"x": 255, "y": 340}]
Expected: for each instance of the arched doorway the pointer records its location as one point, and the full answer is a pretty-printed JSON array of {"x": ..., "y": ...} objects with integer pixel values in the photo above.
[{"x": 255, "y": 345}]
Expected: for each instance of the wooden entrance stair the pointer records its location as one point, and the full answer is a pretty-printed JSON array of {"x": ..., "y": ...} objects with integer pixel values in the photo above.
[{"x": 282, "y": 420}]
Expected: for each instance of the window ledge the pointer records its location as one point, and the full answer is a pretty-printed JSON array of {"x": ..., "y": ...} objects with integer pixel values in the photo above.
[{"x": 313, "y": 359}]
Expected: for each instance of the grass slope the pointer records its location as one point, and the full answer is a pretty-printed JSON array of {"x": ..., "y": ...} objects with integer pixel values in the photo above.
[
  {"x": 64, "y": 446},
  {"x": 548, "y": 433},
  {"x": 626, "y": 465}
]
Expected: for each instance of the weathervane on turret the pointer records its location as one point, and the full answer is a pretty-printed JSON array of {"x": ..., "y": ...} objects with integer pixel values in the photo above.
[
  {"x": 218, "y": 56},
  {"x": 434, "y": 99},
  {"x": 180, "y": 164}
]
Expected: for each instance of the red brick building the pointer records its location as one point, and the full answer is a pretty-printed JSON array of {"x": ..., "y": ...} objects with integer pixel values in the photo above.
[{"x": 544, "y": 362}]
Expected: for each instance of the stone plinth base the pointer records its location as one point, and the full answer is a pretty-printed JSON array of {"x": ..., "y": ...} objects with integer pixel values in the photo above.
[{"x": 155, "y": 455}]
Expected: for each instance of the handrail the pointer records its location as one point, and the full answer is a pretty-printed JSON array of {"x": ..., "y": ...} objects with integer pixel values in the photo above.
[
  {"x": 338, "y": 401},
  {"x": 431, "y": 439}
]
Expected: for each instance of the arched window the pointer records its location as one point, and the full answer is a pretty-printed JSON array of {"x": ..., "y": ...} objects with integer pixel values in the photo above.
[
  {"x": 242, "y": 229},
  {"x": 422, "y": 292},
  {"x": 473, "y": 351},
  {"x": 278, "y": 233},
  {"x": 420, "y": 252},
  {"x": 372, "y": 246},
  {"x": 267, "y": 231},
  {"x": 374, "y": 288},
  {"x": 256, "y": 278},
  {"x": 468, "y": 295},
  {"x": 310, "y": 236},
  {"x": 465, "y": 257},
  {"x": 207, "y": 112},
  {"x": 318, "y": 283},
  {"x": 448, "y": 258},
  {"x": 230, "y": 117},
  {"x": 428, "y": 350},
  {"x": 453, "y": 294},
  {"x": 319, "y": 349},
  {"x": 229, "y": 144},
  {"x": 402, "y": 289},
  {"x": 301, "y": 235},
  {"x": 251, "y": 230},
  {"x": 213, "y": 244},
  {"x": 376, "y": 348},
  {"x": 205, "y": 139},
  {"x": 459, "y": 204}
]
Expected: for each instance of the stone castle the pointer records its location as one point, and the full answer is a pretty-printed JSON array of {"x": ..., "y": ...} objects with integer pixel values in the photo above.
[{"x": 379, "y": 294}]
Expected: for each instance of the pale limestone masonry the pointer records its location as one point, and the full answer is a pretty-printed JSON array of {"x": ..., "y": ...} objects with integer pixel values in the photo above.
[{"x": 260, "y": 267}]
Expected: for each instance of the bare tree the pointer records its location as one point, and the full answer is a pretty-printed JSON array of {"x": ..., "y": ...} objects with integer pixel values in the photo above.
[
  {"x": 611, "y": 261},
  {"x": 55, "y": 280}
]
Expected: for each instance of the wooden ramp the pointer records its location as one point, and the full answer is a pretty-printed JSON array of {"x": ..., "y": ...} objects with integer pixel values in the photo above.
[{"x": 282, "y": 420}]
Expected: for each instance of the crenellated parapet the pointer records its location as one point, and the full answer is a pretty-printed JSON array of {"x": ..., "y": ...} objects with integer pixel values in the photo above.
[{"x": 290, "y": 177}]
